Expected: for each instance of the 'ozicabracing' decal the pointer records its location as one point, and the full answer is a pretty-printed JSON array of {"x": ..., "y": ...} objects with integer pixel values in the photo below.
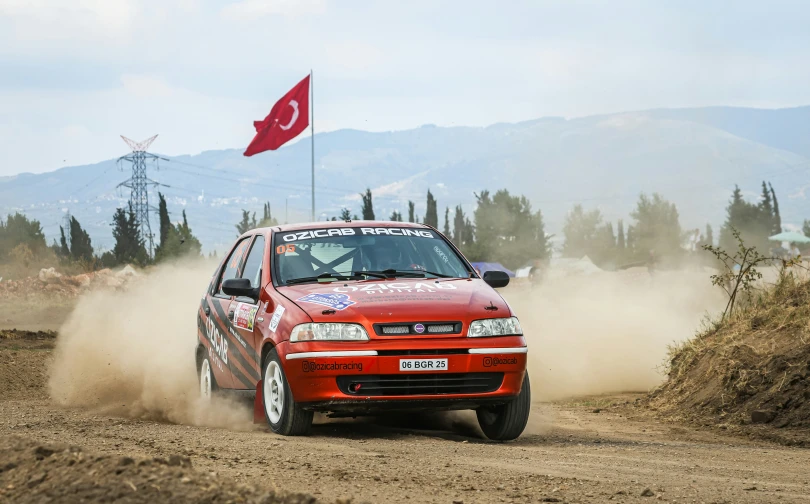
[
  {"x": 498, "y": 361},
  {"x": 313, "y": 366}
]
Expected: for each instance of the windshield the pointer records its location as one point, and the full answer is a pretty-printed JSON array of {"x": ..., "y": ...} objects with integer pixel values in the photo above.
[{"x": 345, "y": 253}]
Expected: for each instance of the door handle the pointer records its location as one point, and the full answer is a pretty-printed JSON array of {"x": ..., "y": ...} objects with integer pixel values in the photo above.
[
  {"x": 230, "y": 315},
  {"x": 207, "y": 311}
]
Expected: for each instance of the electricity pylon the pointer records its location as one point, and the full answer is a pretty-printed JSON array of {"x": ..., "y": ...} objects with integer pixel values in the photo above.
[{"x": 139, "y": 183}]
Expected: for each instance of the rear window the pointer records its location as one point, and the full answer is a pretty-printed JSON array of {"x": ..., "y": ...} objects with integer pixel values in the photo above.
[{"x": 343, "y": 251}]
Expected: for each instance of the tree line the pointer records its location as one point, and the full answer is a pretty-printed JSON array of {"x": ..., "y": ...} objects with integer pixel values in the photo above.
[
  {"x": 655, "y": 233},
  {"x": 22, "y": 242},
  {"x": 503, "y": 228}
]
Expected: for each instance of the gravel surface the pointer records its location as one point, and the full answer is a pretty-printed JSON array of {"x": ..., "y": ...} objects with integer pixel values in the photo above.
[{"x": 586, "y": 450}]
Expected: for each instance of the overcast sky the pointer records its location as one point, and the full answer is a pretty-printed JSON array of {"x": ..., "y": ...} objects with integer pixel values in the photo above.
[{"x": 74, "y": 74}]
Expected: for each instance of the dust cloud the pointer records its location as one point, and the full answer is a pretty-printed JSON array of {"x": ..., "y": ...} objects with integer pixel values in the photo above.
[
  {"x": 608, "y": 331},
  {"x": 131, "y": 352}
]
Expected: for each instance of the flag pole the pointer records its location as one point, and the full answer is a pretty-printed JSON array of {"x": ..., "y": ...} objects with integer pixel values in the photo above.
[{"x": 312, "y": 137}]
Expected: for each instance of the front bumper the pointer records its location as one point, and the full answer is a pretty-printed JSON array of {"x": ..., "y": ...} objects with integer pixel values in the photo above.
[{"x": 318, "y": 373}]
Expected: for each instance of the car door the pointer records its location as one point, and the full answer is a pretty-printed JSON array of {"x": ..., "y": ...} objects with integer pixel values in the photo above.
[
  {"x": 217, "y": 324},
  {"x": 242, "y": 314}
]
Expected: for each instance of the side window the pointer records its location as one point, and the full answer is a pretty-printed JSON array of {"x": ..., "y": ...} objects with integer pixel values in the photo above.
[
  {"x": 232, "y": 264},
  {"x": 253, "y": 265}
]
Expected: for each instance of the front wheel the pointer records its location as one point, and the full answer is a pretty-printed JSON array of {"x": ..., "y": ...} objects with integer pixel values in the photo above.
[
  {"x": 283, "y": 414},
  {"x": 507, "y": 421}
]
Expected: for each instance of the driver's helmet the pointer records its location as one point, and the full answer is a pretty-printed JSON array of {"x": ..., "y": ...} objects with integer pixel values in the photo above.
[{"x": 387, "y": 255}]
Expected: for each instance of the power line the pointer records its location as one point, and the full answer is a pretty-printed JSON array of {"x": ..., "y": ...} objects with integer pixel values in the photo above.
[
  {"x": 274, "y": 185},
  {"x": 277, "y": 185}
]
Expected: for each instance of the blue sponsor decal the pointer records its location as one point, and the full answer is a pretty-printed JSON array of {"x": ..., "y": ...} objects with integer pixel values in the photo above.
[{"x": 334, "y": 301}]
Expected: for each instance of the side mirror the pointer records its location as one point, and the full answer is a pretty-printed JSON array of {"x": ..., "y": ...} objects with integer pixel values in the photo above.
[
  {"x": 239, "y": 287},
  {"x": 496, "y": 279}
]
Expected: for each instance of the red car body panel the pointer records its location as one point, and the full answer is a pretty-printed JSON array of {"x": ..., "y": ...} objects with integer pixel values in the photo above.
[{"x": 236, "y": 351}]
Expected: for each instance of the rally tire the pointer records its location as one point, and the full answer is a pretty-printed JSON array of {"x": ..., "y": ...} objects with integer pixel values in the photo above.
[
  {"x": 282, "y": 413},
  {"x": 507, "y": 421},
  {"x": 207, "y": 381}
]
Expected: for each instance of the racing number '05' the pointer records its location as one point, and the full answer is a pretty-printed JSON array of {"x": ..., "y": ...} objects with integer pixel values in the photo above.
[{"x": 359, "y": 318}]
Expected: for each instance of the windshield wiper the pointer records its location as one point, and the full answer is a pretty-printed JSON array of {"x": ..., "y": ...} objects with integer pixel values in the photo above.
[
  {"x": 322, "y": 276},
  {"x": 411, "y": 273},
  {"x": 374, "y": 274}
]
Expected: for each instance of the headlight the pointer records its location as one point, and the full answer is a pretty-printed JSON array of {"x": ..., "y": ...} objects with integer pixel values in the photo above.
[
  {"x": 494, "y": 327},
  {"x": 328, "y": 332}
]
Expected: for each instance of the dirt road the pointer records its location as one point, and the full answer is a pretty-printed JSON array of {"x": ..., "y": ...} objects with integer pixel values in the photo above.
[{"x": 570, "y": 453}]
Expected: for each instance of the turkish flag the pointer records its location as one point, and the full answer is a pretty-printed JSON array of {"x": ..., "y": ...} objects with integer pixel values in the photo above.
[{"x": 288, "y": 118}]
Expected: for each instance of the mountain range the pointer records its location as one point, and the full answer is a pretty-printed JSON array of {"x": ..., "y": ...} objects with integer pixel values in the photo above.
[{"x": 693, "y": 157}]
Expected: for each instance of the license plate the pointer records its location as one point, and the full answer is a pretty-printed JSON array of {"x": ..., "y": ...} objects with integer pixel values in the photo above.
[{"x": 423, "y": 364}]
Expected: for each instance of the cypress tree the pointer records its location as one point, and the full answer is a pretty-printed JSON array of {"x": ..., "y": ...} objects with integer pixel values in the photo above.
[
  {"x": 777, "y": 219},
  {"x": 192, "y": 244},
  {"x": 80, "y": 247},
  {"x": 709, "y": 238},
  {"x": 431, "y": 214},
  {"x": 766, "y": 206},
  {"x": 267, "y": 217},
  {"x": 368, "y": 205},
  {"x": 630, "y": 242},
  {"x": 447, "y": 221},
  {"x": 411, "y": 211},
  {"x": 129, "y": 244},
  {"x": 165, "y": 222},
  {"x": 64, "y": 250},
  {"x": 458, "y": 226},
  {"x": 620, "y": 238}
]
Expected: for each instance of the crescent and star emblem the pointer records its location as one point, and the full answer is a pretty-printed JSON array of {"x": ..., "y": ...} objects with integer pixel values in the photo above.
[{"x": 294, "y": 105}]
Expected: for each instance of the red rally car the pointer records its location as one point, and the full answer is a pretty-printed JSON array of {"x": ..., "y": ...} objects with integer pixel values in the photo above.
[{"x": 361, "y": 318}]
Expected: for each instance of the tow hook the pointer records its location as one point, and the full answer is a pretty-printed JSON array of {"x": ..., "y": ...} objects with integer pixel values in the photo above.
[{"x": 354, "y": 387}]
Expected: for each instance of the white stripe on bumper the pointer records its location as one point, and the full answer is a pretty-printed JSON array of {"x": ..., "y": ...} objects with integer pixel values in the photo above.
[
  {"x": 499, "y": 350},
  {"x": 341, "y": 353}
]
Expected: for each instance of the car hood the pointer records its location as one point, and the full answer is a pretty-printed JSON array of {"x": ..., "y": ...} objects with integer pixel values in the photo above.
[{"x": 398, "y": 300}]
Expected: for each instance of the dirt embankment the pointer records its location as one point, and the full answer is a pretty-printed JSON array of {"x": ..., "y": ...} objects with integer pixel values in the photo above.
[
  {"x": 750, "y": 373},
  {"x": 44, "y": 301},
  {"x": 25, "y": 356},
  {"x": 34, "y": 472}
]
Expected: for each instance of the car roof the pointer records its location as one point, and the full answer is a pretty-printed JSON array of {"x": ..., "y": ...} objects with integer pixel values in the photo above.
[{"x": 337, "y": 224}]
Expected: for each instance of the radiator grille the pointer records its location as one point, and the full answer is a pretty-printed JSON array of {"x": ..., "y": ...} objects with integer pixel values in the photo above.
[
  {"x": 417, "y": 328},
  {"x": 420, "y": 384}
]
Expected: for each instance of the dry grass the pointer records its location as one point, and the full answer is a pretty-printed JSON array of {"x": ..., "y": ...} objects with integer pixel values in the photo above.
[{"x": 758, "y": 359}]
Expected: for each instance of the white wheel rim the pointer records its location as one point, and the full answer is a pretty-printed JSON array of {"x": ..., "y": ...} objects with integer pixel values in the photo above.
[
  {"x": 205, "y": 380},
  {"x": 273, "y": 392}
]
